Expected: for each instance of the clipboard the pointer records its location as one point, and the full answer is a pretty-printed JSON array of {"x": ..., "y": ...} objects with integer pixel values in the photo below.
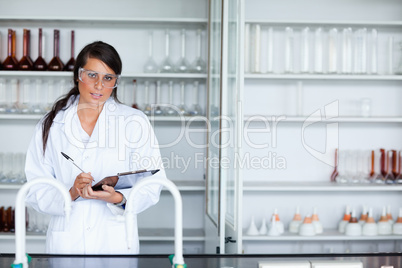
[{"x": 124, "y": 180}]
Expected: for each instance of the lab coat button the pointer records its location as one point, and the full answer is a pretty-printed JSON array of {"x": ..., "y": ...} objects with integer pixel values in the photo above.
[{"x": 88, "y": 229}]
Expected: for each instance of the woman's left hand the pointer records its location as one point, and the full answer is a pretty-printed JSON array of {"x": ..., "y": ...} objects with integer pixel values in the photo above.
[{"x": 108, "y": 194}]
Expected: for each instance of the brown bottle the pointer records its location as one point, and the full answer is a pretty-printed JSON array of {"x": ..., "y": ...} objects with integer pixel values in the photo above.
[
  {"x": 12, "y": 220},
  {"x": 335, "y": 172},
  {"x": 10, "y": 63},
  {"x": 40, "y": 64},
  {"x": 71, "y": 62},
  {"x": 25, "y": 63},
  {"x": 6, "y": 220},
  {"x": 56, "y": 64},
  {"x": 1, "y": 218}
]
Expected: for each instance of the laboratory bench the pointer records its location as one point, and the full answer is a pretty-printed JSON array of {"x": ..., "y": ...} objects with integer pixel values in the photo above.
[{"x": 376, "y": 260}]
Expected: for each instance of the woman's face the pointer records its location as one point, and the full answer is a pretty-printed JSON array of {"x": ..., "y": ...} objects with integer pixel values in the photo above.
[{"x": 94, "y": 93}]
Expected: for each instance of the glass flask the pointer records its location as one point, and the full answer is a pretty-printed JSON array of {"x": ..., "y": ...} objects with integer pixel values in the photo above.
[
  {"x": 166, "y": 66},
  {"x": 150, "y": 66},
  {"x": 56, "y": 64},
  {"x": 199, "y": 65},
  {"x": 195, "y": 108},
  {"x": 182, "y": 65},
  {"x": 71, "y": 62},
  {"x": 171, "y": 110},
  {"x": 26, "y": 63},
  {"x": 40, "y": 63}
]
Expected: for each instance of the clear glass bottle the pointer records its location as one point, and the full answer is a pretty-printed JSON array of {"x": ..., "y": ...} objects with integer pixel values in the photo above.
[
  {"x": 147, "y": 107},
  {"x": 150, "y": 66},
  {"x": 166, "y": 66},
  {"x": 182, "y": 65},
  {"x": 182, "y": 107},
  {"x": 158, "y": 111},
  {"x": 171, "y": 110},
  {"x": 199, "y": 65},
  {"x": 195, "y": 108}
]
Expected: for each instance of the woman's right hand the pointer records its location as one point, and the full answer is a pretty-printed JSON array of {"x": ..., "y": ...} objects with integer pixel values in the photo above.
[{"x": 82, "y": 180}]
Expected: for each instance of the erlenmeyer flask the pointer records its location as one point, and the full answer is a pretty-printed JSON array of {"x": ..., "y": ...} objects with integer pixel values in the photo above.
[
  {"x": 182, "y": 65},
  {"x": 171, "y": 110},
  {"x": 182, "y": 107},
  {"x": 147, "y": 106},
  {"x": 199, "y": 65},
  {"x": 195, "y": 108},
  {"x": 150, "y": 66},
  {"x": 167, "y": 66},
  {"x": 158, "y": 110}
]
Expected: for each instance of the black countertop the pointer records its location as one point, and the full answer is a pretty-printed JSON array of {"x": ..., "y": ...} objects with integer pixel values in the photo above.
[{"x": 195, "y": 261}]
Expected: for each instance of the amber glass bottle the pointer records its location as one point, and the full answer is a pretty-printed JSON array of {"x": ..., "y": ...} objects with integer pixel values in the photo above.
[
  {"x": 71, "y": 62},
  {"x": 10, "y": 63},
  {"x": 56, "y": 64},
  {"x": 25, "y": 63},
  {"x": 40, "y": 63}
]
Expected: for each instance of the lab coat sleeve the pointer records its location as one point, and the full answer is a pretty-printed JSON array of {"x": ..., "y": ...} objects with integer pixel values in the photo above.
[
  {"x": 149, "y": 195},
  {"x": 43, "y": 198}
]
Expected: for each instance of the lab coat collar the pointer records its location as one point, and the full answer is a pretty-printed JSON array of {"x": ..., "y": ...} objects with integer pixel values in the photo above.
[
  {"x": 61, "y": 116},
  {"x": 68, "y": 120}
]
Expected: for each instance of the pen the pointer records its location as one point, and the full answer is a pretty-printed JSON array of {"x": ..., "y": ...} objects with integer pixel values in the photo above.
[{"x": 72, "y": 161}]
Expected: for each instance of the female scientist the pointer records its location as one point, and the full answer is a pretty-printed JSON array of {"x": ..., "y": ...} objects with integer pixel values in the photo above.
[{"x": 104, "y": 137}]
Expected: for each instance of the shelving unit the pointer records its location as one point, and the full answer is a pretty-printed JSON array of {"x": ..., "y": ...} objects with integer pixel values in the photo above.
[
  {"x": 127, "y": 32},
  {"x": 278, "y": 105}
]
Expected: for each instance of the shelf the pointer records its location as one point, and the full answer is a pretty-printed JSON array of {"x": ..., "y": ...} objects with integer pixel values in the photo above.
[
  {"x": 324, "y": 77},
  {"x": 333, "y": 23},
  {"x": 145, "y": 234},
  {"x": 190, "y": 185},
  {"x": 341, "y": 119},
  {"x": 181, "y": 185},
  {"x": 151, "y": 118},
  {"x": 167, "y": 234},
  {"x": 329, "y": 235},
  {"x": 102, "y": 20},
  {"x": 293, "y": 186},
  {"x": 50, "y": 74}
]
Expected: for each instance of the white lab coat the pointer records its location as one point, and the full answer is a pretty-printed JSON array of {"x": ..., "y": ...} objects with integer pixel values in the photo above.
[{"x": 122, "y": 140}]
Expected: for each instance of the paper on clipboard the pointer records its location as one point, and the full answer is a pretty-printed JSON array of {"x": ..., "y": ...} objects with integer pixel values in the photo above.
[{"x": 124, "y": 180}]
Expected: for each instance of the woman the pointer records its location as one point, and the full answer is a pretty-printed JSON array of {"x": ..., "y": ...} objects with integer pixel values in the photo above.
[{"x": 104, "y": 137}]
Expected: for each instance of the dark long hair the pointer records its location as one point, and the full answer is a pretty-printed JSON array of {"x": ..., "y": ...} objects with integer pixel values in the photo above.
[{"x": 98, "y": 50}]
